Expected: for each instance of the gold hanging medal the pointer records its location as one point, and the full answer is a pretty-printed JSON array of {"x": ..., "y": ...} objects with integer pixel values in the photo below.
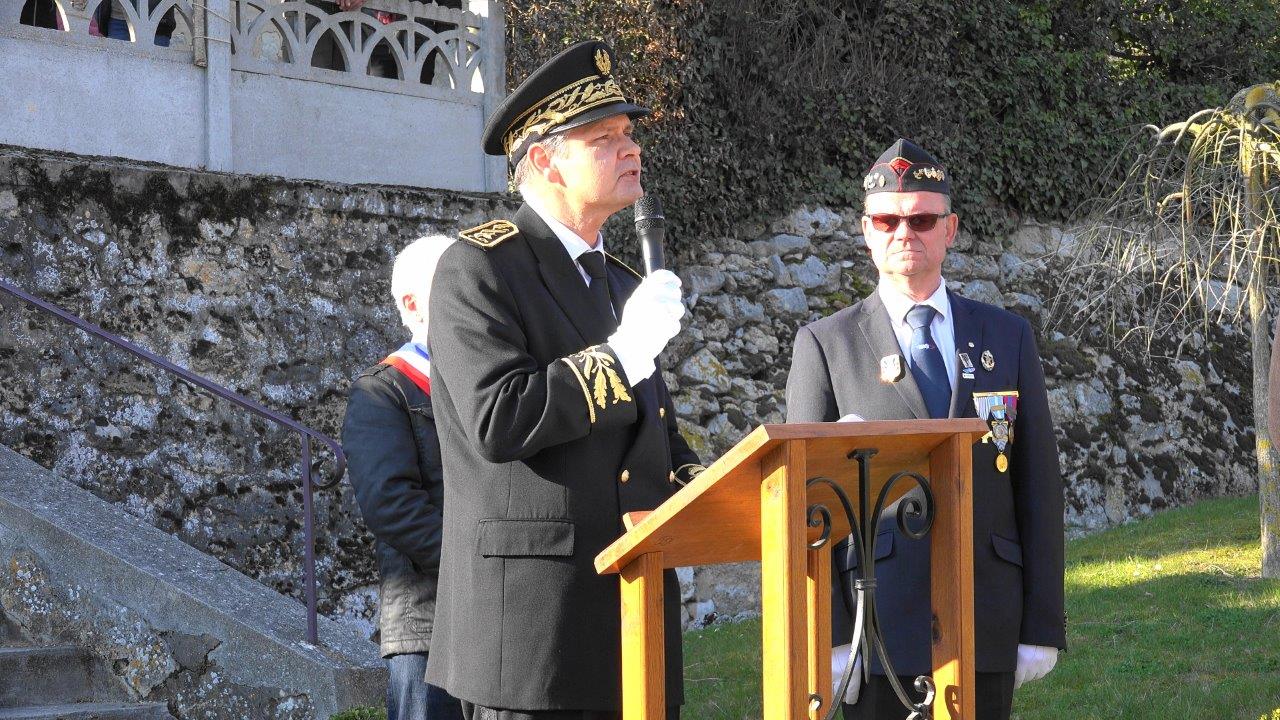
[{"x": 998, "y": 409}]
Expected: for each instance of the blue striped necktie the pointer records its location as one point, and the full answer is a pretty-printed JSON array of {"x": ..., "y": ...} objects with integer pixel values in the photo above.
[{"x": 927, "y": 366}]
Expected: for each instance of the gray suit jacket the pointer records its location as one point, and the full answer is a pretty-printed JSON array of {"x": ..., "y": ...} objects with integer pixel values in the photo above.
[{"x": 1018, "y": 525}]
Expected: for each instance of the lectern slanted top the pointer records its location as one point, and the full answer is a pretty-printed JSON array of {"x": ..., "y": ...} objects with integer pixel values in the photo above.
[{"x": 753, "y": 504}]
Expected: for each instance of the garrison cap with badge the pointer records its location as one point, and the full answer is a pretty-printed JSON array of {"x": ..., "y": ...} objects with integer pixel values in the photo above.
[
  {"x": 906, "y": 167},
  {"x": 545, "y": 442}
]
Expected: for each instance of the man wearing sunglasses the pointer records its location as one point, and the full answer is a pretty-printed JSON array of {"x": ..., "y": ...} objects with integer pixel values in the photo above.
[{"x": 912, "y": 349}]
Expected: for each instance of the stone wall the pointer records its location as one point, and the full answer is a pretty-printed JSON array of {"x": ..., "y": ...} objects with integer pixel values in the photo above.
[{"x": 280, "y": 291}]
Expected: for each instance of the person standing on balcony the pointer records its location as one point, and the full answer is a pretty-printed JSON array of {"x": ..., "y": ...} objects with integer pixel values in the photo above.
[
  {"x": 554, "y": 419},
  {"x": 393, "y": 455}
]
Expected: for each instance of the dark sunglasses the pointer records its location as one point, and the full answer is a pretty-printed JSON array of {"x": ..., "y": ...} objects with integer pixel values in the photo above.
[{"x": 886, "y": 222}]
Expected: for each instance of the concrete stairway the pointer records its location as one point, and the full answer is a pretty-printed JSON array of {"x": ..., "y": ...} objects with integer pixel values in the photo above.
[{"x": 62, "y": 683}]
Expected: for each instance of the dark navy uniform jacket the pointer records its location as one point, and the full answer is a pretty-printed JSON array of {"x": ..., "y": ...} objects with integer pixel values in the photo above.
[
  {"x": 545, "y": 445},
  {"x": 393, "y": 460},
  {"x": 1018, "y": 524}
]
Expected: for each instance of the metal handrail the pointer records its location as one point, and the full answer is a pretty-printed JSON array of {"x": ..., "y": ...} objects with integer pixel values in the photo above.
[{"x": 307, "y": 434}]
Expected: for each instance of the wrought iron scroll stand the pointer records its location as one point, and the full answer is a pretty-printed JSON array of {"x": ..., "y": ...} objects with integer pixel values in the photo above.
[{"x": 866, "y": 627}]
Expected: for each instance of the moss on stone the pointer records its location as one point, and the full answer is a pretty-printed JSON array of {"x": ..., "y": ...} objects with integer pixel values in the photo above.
[
  {"x": 1072, "y": 361},
  {"x": 861, "y": 286}
]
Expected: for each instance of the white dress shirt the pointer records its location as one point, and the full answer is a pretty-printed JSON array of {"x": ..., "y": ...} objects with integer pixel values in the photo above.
[
  {"x": 942, "y": 328},
  {"x": 574, "y": 244}
]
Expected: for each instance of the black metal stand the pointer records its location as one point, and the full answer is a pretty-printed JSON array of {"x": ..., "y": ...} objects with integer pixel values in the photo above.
[{"x": 864, "y": 526}]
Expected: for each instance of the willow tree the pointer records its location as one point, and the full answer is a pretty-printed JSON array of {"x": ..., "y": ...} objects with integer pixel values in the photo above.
[{"x": 1190, "y": 225}]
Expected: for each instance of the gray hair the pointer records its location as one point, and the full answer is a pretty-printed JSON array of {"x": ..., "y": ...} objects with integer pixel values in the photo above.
[
  {"x": 413, "y": 270},
  {"x": 524, "y": 169}
]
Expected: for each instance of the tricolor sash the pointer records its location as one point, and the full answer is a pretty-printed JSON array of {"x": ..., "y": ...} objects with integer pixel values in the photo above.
[{"x": 413, "y": 360}]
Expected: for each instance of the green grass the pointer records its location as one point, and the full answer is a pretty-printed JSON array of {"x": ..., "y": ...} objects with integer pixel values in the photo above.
[{"x": 1169, "y": 619}]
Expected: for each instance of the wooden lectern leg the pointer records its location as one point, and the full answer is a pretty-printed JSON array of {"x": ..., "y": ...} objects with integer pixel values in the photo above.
[
  {"x": 644, "y": 682},
  {"x": 951, "y": 546},
  {"x": 818, "y": 629},
  {"x": 783, "y": 551}
]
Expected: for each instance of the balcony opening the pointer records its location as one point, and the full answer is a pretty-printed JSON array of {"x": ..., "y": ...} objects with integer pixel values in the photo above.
[{"x": 44, "y": 14}]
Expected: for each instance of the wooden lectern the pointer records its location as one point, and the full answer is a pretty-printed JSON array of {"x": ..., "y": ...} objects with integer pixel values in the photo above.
[{"x": 753, "y": 504}]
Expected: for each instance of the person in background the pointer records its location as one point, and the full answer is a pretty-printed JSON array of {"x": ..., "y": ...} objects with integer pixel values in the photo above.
[
  {"x": 914, "y": 350},
  {"x": 393, "y": 455}
]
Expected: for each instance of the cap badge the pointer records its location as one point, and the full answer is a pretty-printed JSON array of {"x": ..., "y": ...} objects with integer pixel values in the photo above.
[
  {"x": 929, "y": 172},
  {"x": 900, "y": 165},
  {"x": 602, "y": 61}
]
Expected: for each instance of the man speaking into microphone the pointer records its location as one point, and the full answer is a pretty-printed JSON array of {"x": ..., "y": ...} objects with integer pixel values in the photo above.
[{"x": 554, "y": 420}]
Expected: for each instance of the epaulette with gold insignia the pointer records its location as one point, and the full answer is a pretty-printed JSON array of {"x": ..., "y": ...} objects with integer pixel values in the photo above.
[
  {"x": 624, "y": 266},
  {"x": 490, "y": 234}
]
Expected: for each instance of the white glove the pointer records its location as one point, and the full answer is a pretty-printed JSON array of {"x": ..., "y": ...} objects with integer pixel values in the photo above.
[
  {"x": 852, "y": 417},
  {"x": 650, "y": 319},
  {"x": 1034, "y": 662},
  {"x": 840, "y": 658}
]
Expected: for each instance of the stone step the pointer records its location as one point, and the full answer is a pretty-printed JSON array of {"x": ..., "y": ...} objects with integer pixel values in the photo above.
[
  {"x": 10, "y": 635},
  {"x": 89, "y": 711},
  {"x": 55, "y": 675}
]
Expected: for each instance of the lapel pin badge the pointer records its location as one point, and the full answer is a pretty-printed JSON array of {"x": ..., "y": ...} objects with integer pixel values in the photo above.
[
  {"x": 988, "y": 361},
  {"x": 966, "y": 366},
  {"x": 891, "y": 368}
]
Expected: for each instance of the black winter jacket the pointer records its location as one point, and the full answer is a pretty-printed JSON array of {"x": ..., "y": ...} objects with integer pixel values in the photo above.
[{"x": 393, "y": 456}]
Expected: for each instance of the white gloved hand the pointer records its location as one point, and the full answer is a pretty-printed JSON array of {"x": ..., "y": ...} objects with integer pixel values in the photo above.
[
  {"x": 650, "y": 319},
  {"x": 840, "y": 658},
  {"x": 852, "y": 417},
  {"x": 1034, "y": 662}
]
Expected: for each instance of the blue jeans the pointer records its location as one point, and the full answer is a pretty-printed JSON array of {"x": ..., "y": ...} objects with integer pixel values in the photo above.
[
  {"x": 118, "y": 29},
  {"x": 410, "y": 697}
]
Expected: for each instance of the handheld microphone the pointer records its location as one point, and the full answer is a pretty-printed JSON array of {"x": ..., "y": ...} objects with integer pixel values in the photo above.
[{"x": 651, "y": 228}]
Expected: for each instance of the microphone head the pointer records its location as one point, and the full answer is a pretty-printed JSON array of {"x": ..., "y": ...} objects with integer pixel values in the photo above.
[{"x": 649, "y": 213}]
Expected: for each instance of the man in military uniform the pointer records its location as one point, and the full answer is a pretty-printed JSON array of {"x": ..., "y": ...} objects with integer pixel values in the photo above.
[
  {"x": 554, "y": 420},
  {"x": 914, "y": 350}
]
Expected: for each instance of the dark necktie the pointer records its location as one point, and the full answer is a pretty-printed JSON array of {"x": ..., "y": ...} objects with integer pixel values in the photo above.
[
  {"x": 927, "y": 366},
  {"x": 593, "y": 263}
]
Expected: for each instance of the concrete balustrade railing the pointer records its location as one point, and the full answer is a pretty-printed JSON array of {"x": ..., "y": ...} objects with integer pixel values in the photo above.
[{"x": 395, "y": 92}]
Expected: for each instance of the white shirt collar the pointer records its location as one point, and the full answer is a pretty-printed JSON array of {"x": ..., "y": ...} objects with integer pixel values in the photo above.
[
  {"x": 572, "y": 243},
  {"x": 899, "y": 304}
]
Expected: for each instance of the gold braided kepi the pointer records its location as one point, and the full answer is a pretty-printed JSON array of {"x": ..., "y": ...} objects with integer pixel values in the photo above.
[{"x": 571, "y": 89}]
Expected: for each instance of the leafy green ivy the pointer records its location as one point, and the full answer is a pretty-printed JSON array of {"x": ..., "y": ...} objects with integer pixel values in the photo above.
[{"x": 762, "y": 105}]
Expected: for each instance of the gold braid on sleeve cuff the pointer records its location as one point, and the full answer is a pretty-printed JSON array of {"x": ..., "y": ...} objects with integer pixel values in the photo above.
[
  {"x": 685, "y": 474},
  {"x": 597, "y": 373}
]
